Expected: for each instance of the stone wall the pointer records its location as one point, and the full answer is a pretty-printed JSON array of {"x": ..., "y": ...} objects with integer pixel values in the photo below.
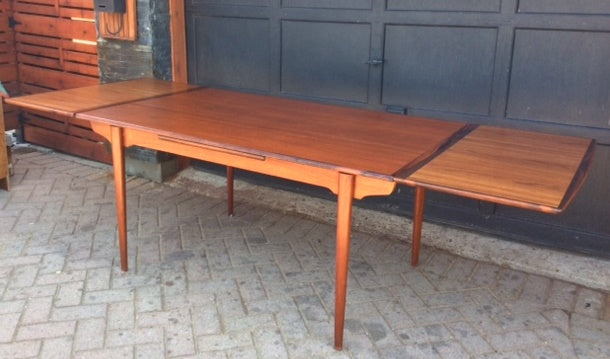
[{"x": 148, "y": 56}]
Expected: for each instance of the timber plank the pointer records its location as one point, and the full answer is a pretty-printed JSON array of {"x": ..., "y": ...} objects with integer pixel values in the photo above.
[
  {"x": 35, "y": 24},
  {"x": 35, "y": 50},
  {"x": 37, "y": 40},
  {"x": 53, "y": 79},
  {"x": 37, "y": 9},
  {"x": 39, "y": 61},
  {"x": 66, "y": 143},
  {"x": 85, "y": 58},
  {"x": 83, "y": 69},
  {"x": 7, "y": 73},
  {"x": 89, "y": 48},
  {"x": 85, "y": 4},
  {"x": 72, "y": 29}
]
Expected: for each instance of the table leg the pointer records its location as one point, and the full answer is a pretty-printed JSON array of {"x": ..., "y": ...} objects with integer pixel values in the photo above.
[
  {"x": 418, "y": 219},
  {"x": 345, "y": 197},
  {"x": 230, "y": 180},
  {"x": 118, "y": 163}
]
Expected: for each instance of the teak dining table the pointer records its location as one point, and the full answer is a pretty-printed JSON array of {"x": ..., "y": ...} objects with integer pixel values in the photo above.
[{"x": 354, "y": 153}]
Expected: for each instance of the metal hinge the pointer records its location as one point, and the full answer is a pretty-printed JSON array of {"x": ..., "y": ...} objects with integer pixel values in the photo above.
[{"x": 12, "y": 22}]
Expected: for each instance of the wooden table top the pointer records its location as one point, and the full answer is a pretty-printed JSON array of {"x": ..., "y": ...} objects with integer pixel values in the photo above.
[
  {"x": 347, "y": 139},
  {"x": 526, "y": 169},
  {"x": 71, "y": 101}
]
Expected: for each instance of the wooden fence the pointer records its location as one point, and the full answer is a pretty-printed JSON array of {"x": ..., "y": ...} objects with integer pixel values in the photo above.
[{"x": 55, "y": 43}]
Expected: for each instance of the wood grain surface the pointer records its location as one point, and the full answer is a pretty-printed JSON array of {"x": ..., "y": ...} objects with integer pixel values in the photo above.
[
  {"x": 526, "y": 169},
  {"x": 348, "y": 139},
  {"x": 69, "y": 102}
]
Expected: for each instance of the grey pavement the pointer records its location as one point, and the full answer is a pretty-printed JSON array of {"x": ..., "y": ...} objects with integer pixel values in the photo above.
[{"x": 256, "y": 285}]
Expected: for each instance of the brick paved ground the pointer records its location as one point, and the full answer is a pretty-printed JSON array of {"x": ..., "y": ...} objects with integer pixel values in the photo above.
[{"x": 258, "y": 285}]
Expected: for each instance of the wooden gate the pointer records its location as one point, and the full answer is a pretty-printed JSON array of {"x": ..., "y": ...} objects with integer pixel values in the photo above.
[{"x": 56, "y": 48}]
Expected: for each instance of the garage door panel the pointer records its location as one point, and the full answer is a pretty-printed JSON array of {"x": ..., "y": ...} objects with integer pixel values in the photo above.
[
  {"x": 445, "y": 5},
  {"x": 564, "y": 6},
  {"x": 231, "y": 52},
  {"x": 439, "y": 68},
  {"x": 560, "y": 77},
  {"x": 328, "y": 4},
  {"x": 325, "y": 60}
]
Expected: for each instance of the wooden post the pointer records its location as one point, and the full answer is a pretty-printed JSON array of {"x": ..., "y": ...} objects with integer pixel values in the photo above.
[{"x": 177, "y": 27}]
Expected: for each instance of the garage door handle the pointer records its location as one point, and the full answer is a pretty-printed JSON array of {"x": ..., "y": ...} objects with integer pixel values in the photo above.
[{"x": 375, "y": 62}]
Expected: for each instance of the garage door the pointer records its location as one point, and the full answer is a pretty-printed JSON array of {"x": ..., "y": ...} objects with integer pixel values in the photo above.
[{"x": 534, "y": 64}]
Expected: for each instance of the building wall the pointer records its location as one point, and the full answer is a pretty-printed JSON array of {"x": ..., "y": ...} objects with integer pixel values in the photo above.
[{"x": 148, "y": 56}]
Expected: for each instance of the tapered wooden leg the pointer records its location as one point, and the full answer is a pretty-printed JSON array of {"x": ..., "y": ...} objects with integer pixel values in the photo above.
[
  {"x": 344, "y": 223},
  {"x": 418, "y": 220},
  {"x": 230, "y": 180},
  {"x": 118, "y": 163}
]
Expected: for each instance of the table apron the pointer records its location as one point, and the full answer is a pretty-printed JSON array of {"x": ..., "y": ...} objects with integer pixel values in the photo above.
[{"x": 326, "y": 177}]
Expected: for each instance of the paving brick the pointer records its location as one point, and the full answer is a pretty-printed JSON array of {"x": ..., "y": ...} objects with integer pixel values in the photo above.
[
  {"x": 590, "y": 303},
  {"x": 14, "y": 306},
  {"x": 114, "y": 353},
  {"x": 79, "y": 312},
  {"x": 410, "y": 351},
  {"x": 117, "y": 338},
  {"x": 148, "y": 299},
  {"x": 9, "y": 325},
  {"x": 163, "y": 318},
  {"x": 536, "y": 289},
  {"x": 109, "y": 296},
  {"x": 224, "y": 341},
  {"x": 509, "y": 284},
  {"x": 14, "y": 260},
  {"x": 53, "y": 262},
  {"x": 37, "y": 310},
  {"x": 46, "y": 330},
  {"x": 562, "y": 295},
  {"x": 269, "y": 343},
  {"x": 515, "y": 340},
  {"x": 121, "y": 315},
  {"x": 485, "y": 275},
  {"x": 292, "y": 325},
  {"x": 469, "y": 337},
  {"x": 22, "y": 349},
  {"x": 425, "y": 316},
  {"x": 206, "y": 320},
  {"x": 56, "y": 348},
  {"x": 394, "y": 314},
  {"x": 179, "y": 340},
  {"x": 11, "y": 294},
  {"x": 61, "y": 277},
  {"x": 90, "y": 334},
  {"x": 98, "y": 279},
  {"x": 150, "y": 351},
  {"x": 69, "y": 294},
  {"x": 558, "y": 340}
]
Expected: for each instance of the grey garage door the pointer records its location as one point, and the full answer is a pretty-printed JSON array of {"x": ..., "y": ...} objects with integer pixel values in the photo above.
[{"x": 534, "y": 64}]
